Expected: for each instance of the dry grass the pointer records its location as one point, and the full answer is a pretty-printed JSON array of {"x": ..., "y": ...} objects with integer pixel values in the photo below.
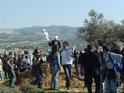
[{"x": 23, "y": 83}]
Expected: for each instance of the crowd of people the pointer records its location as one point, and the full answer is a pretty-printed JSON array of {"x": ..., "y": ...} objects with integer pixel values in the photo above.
[{"x": 104, "y": 65}]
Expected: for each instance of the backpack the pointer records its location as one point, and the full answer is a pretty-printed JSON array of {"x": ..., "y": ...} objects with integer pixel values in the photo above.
[
  {"x": 117, "y": 66},
  {"x": 113, "y": 68}
]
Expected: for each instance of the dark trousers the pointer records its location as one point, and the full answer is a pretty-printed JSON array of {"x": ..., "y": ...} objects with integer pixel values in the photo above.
[
  {"x": 5, "y": 72},
  {"x": 89, "y": 76},
  {"x": 37, "y": 73},
  {"x": 68, "y": 74}
]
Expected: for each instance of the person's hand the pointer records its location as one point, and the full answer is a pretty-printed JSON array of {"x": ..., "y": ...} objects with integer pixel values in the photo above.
[
  {"x": 12, "y": 67},
  {"x": 61, "y": 69}
]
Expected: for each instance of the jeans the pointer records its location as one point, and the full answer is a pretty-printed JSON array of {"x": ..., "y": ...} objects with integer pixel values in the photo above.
[
  {"x": 12, "y": 77},
  {"x": 111, "y": 86},
  {"x": 78, "y": 70},
  {"x": 54, "y": 78},
  {"x": 1, "y": 76},
  {"x": 37, "y": 72},
  {"x": 68, "y": 74}
]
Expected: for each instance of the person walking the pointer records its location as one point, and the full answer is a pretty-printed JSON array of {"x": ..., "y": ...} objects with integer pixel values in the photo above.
[
  {"x": 66, "y": 61},
  {"x": 5, "y": 66},
  {"x": 11, "y": 71},
  {"x": 36, "y": 69},
  {"x": 91, "y": 65},
  {"x": 112, "y": 75},
  {"x": 1, "y": 70},
  {"x": 55, "y": 42},
  {"x": 55, "y": 67}
]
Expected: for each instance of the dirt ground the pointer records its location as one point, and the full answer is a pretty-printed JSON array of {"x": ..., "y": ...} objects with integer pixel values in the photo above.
[{"x": 77, "y": 84}]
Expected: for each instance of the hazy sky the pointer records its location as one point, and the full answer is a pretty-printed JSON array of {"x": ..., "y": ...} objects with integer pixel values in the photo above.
[{"x": 23, "y": 13}]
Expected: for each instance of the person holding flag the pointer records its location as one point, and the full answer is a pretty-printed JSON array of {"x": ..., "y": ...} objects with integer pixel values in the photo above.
[{"x": 55, "y": 42}]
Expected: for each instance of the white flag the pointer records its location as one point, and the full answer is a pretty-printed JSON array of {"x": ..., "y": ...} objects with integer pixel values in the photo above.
[{"x": 46, "y": 34}]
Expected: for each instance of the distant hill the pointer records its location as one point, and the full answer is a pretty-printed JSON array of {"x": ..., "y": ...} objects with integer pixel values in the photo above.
[
  {"x": 33, "y": 35},
  {"x": 50, "y": 29}
]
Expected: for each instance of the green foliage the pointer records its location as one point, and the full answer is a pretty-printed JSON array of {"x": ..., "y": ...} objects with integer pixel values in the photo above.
[
  {"x": 22, "y": 89},
  {"x": 30, "y": 89},
  {"x": 94, "y": 26},
  {"x": 122, "y": 21},
  {"x": 81, "y": 30},
  {"x": 9, "y": 90},
  {"x": 98, "y": 28}
]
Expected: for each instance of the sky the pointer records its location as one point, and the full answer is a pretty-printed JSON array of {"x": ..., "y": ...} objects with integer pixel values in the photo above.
[{"x": 26, "y": 13}]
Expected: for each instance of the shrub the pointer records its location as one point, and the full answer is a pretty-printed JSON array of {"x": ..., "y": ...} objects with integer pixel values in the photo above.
[
  {"x": 9, "y": 90},
  {"x": 30, "y": 89}
]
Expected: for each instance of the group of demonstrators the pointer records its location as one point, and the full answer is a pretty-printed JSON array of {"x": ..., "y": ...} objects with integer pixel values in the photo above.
[
  {"x": 12, "y": 64},
  {"x": 104, "y": 66}
]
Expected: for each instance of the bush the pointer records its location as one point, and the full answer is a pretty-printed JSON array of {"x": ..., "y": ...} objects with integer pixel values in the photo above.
[
  {"x": 9, "y": 90},
  {"x": 30, "y": 89}
]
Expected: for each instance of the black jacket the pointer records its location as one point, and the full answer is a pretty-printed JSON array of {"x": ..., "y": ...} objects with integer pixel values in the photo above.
[{"x": 89, "y": 60}]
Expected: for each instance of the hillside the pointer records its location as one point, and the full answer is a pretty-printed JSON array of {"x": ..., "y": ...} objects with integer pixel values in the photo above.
[{"x": 33, "y": 36}]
